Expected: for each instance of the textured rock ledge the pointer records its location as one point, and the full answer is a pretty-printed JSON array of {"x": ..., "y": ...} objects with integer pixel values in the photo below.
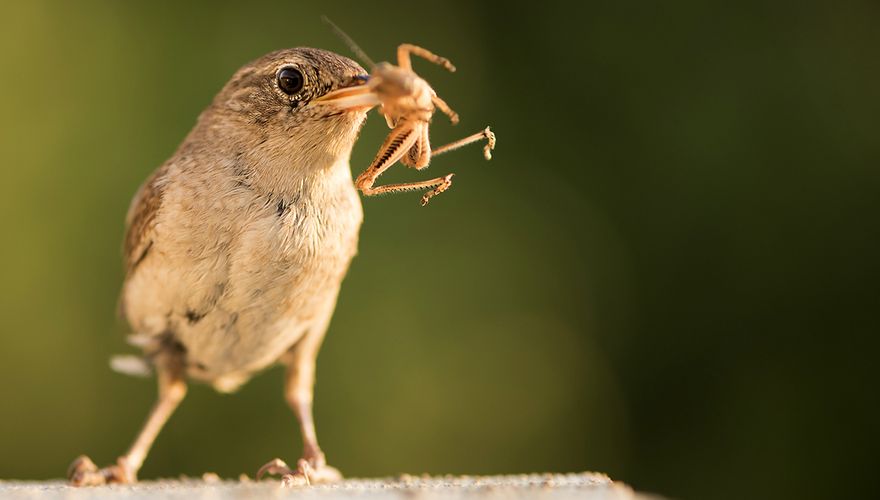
[{"x": 589, "y": 486}]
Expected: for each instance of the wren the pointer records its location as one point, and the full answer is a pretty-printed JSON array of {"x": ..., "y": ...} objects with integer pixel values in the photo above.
[{"x": 236, "y": 247}]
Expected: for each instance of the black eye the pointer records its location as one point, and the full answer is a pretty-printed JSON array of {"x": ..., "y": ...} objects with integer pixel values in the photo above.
[{"x": 290, "y": 80}]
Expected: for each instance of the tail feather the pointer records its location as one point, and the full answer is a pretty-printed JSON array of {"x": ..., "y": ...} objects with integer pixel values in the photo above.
[{"x": 128, "y": 364}]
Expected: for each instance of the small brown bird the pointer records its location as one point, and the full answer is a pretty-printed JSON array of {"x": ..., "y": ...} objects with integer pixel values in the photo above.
[{"x": 236, "y": 247}]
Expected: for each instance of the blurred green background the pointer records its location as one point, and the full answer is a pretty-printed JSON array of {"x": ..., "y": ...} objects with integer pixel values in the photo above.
[{"x": 668, "y": 273}]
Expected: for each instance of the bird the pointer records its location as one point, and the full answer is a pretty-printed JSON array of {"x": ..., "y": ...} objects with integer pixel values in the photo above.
[{"x": 236, "y": 247}]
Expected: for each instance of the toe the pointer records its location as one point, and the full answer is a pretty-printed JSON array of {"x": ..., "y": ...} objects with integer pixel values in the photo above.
[
  {"x": 307, "y": 472},
  {"x": 316, "y": 474},
  {"x": 294, "y": 480},
  {"x": 84, "y": 472},
  {"x": 273, "y": 467},
  {"x": 82, "y": 463}
]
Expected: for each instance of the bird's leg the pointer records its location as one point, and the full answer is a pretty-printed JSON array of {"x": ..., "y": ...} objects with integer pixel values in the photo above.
[
  {"x": 405, "y": 49},
  {"x": 298, "y": 391},
  {"x": 483, "y": 134},
  {"x": 84, "y": 472}
]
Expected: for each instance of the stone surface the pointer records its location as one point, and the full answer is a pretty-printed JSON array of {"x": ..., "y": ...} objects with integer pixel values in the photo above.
[{"x": 588, "y": 486}]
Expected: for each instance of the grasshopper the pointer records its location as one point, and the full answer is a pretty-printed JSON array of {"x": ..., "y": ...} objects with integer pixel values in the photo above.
[{"x": 407, "y": 102}]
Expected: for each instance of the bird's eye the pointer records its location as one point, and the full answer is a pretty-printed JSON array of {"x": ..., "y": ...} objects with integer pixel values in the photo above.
[{"x": 290, "y": 80}]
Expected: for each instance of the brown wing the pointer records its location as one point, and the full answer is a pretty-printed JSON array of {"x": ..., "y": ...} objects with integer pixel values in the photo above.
[{"x": 140, "y": 220}]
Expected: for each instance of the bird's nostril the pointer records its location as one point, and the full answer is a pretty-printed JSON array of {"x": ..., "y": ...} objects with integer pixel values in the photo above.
[{"x": 355, "y": 81}]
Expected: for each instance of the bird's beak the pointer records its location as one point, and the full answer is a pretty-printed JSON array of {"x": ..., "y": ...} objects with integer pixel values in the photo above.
[{"x": 357, "y": 96}]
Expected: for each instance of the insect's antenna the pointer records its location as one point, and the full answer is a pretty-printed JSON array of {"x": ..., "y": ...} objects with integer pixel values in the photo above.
[{"x": 348, "y": 41}]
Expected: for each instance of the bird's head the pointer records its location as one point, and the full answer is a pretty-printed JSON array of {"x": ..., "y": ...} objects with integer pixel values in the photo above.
[{"x": 302, "y": 107}]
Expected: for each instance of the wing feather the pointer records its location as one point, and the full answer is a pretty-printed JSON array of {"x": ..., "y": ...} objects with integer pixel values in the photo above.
[{"x": 140, "y": 220}]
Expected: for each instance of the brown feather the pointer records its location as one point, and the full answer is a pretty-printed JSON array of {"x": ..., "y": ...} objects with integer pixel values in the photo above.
[{"x": 140, "y": 219}]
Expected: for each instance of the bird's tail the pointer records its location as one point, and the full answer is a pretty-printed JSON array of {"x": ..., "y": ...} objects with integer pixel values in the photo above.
[{"x": 131, "y": 364}]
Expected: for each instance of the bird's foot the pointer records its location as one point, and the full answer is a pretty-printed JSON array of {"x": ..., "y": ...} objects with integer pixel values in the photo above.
[
  {"x": 84, "y": 472},
  {"x": 306, "y": 472}
]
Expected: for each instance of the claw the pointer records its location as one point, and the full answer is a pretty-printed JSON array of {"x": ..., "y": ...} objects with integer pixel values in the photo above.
[
  {"x": 305, "y": 473},
  {"x": 79, "y": 468},
  {"x": 295, "y": 481},
  {"x": 301, "y": 477},
  {"x": 84, "y": 472},
  {"x": 274, "y": 467},
  {"x": 490, "y": 143},
  {"x": 446, "y": 184}
]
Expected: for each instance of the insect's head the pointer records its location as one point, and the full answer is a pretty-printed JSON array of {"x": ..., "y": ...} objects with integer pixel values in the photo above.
[{"x": 391, "y": 81}]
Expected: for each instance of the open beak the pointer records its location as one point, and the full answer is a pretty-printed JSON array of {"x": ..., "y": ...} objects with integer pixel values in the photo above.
[{"x": 354, "y": 97}]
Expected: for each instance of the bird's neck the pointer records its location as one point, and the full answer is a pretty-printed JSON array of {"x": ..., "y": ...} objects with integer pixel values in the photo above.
[
  {"x": 280, "y": 166},
  {"x": 294, "y": 178},
  {"x": 285, "y": 162}
]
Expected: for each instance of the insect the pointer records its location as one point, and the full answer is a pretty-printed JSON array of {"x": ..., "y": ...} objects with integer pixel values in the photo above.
[{"x": 407, "y": 102}]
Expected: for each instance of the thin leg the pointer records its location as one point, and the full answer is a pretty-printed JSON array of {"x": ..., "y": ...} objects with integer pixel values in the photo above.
[
  {"x": 483, "y": 134},
  {"x": 84, "y": 472},
  {"x": 437, "y": 186},
  {"x": 442, "y": 106},
  {"x": 172, "y": 390},
  {"x": 298, "y": 391},
  {"x": 404, "y": 50}
]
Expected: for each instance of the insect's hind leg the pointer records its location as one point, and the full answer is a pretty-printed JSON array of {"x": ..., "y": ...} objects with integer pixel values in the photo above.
[
  {"x": 399, "y": 143},
  {"x": 436, "y": 186},
  {"x": 405, "y": 49},
  {"x": 479, "y": 136},
  {"x": 396, "y": 145}
]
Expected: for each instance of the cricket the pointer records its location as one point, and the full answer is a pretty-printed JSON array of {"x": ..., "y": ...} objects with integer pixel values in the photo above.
[{"x": 408, "y": 103}]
